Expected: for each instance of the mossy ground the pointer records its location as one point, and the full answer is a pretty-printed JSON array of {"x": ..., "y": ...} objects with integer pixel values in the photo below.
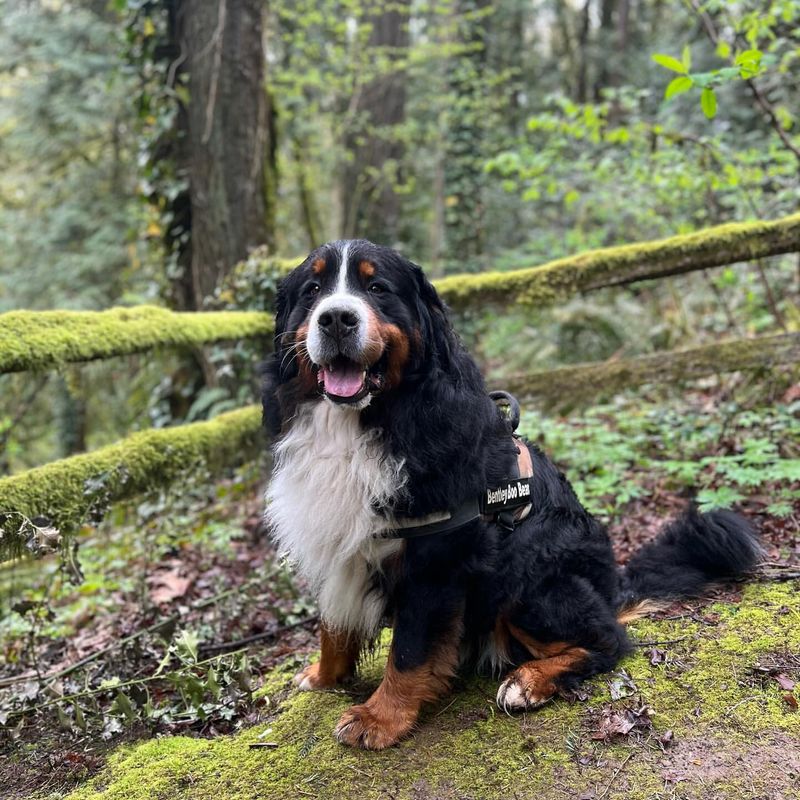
[{"x": 723, "y": 717}]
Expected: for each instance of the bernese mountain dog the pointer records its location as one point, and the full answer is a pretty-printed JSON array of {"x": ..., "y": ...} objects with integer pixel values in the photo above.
[{"x": 386, "y": 446}]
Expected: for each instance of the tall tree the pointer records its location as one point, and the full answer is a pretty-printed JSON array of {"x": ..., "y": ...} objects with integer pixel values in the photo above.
[
  {"x": 220, "y": 151},
  {"x": 465, "y": 151},
  {"x": 370, "y": 202}
]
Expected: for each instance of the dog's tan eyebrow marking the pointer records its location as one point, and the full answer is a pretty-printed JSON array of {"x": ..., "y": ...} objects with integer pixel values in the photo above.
[
  {"x": 318, "y": 267},
  {"x": 366, "y": 269}
]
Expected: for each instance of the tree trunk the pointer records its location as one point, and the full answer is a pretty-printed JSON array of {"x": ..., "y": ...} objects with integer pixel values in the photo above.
[
  {"x": 370, "y": 203},
  {"x": 464, "y": 181},
  {"x": 225, "y": 145}
]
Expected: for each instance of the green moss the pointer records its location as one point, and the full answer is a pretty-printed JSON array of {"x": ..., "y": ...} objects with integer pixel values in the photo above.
[
  {"x": 45, "y": 339},
  {"x": 560, "y": 279},
  {"x": 586, "y": 381},
  {"x": 564, "y": 277},
  {"x": 706, "y": 693},
  {"x": 66, "y": 490}
]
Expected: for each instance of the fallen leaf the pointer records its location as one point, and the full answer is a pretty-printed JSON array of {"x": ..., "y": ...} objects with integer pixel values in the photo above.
[
  {"x": 656, "y": 656},
  {"x": 784, "y": 681},
  {"x": 622, "y": 686},
  {"x": 168, "y": 586},
  {"x": 621, "y": 723},
  {"x": 666, "y": 739},
  {"x": 791, "y": 701}
]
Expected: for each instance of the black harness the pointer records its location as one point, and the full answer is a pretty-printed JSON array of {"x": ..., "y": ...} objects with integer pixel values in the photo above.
[{"x": 505, "y": 505}]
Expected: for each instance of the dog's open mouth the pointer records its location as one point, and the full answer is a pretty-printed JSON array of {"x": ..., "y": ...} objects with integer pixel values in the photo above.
[{"x": 347, "y": 381}]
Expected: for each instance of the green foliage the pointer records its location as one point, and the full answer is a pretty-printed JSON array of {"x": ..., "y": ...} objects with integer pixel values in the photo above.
[
  {"x": 616, "y": 453},
  {"x": 69, "y": 491},
  {"x": 68, "y": 214}
]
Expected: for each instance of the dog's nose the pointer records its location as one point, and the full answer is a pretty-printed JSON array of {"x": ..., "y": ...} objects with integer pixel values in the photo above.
[{"x": 338, "y": 322}]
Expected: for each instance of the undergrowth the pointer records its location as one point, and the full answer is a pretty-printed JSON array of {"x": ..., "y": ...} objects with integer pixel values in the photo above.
[{"x": 718, "y": 455}]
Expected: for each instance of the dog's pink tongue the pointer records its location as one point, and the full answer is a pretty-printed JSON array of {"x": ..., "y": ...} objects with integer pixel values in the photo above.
[{"x": 343, "y": 380}]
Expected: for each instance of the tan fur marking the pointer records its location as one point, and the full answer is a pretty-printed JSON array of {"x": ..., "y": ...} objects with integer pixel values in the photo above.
[
  {"x": 500, "y": 638},
  {"x": 339, "y": 651},
  {"x": 536, "y": 648},
  {"x": 392, "y": 711},
  {"x": 318, "y": 267},
  {"x": 307, "y": 380},
  {"x": 638, "y": 610},
  {"x": 366, "y": 270},
  {"x": 538, "y": 678},
  {"x": 397, "y": 344}
]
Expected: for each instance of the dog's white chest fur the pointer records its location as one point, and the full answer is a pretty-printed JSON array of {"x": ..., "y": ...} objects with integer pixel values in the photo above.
[{"x": 330, "y": 475}]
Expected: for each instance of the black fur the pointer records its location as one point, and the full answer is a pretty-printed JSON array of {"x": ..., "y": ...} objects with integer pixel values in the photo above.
[
  {"x": 692, "y": 552},
  {"x": 555, "y": 576}
]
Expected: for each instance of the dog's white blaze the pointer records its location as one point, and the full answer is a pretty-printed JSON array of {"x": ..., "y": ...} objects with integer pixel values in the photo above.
[
  {"x": 341, "y": 278},
  {"x": 342, "y": 298},
  {"x": 329, "y": 477}
]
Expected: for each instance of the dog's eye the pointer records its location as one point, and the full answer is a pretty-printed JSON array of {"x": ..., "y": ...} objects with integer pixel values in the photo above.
[
  {"x": 312, "y": 288},
  {"x": 377, "y": 288}
]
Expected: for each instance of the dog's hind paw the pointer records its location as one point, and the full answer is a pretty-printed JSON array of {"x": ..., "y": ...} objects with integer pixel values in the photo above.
[
  {"x": 518, "y": 692},
  {"x": 310, "y": 679},
  {"x": 360, "y": 727}
]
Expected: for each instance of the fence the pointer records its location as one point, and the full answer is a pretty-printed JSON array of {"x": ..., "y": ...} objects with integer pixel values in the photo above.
[{"x": 68, "y": 490}]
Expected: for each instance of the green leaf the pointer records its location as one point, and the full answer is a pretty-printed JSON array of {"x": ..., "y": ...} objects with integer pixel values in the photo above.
[
  {"x": 80, "y": 720},
  {"x": 668, "y": 62},
  {"x": 122, "y": 704},
  {"x": 724, "y": 497},
  {"x": 723, "y": 49},
  {"x": 748, "y": 57},
  {"x": 677, "y": 86},
  {"x": 708, "y": 102},
  {"x": 186, "y": 645},
  {"x": 63, "y": 720},
  {"x": 212, "y": 685},
  {"x": 686, "y": 58}
]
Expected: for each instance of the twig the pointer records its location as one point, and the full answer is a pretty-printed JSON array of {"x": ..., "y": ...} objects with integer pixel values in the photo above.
[
  {"x": 663, "y": 641},
  {"x": 22, "y": 410},
  {"x": 776, "y": 312},
  {"x": 767, "y": 108},
  {"x": 248, "y": 640},
  {"x": 196, "y": 606},
  {"x": 755, "y": 90},
  {"x": 100, "y": 689},
  {"x": 614, "y": 776},
  {"x": 778, "y": 575}
]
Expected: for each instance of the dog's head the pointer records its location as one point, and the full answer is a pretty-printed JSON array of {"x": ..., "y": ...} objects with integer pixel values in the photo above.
[{"x": 355, "y": 320}]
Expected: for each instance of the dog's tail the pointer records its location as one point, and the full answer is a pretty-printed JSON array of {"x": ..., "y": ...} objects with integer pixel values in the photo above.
[{"x": 692, "y": 552}]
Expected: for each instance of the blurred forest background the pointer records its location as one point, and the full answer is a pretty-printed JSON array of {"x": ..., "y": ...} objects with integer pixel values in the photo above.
[
  {"x": 146, "y": 147},
  {"x": 183, "y": 153}
]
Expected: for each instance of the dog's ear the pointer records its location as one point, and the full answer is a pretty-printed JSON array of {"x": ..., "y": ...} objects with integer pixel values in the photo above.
[
  {"x": 436, "y": 330},
  {"x": 282, "y": 309},
  {"x": 270, "y": 370}
]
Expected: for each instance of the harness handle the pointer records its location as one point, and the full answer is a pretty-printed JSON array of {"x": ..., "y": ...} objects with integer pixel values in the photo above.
[{"x": 508, "y": 399}]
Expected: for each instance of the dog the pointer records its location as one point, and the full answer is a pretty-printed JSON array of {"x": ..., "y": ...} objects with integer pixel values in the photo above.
[{"x": 387, "y": 451}]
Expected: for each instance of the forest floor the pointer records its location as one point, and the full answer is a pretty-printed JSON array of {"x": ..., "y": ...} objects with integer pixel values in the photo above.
[{"x": 164, "y": 671}]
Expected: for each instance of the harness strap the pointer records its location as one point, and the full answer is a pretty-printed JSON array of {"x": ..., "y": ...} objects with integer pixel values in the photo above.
[{"x": 446, "y": 521}]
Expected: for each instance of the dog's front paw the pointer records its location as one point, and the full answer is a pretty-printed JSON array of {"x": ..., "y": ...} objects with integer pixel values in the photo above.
[
  {"x": 361, "y": 727},
  {"x": 524, "y": 689},
  {"x": 311, "y": 679}
]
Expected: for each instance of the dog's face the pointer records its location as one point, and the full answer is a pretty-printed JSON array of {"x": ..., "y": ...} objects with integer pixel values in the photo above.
[{"x": 351, "y": 319}]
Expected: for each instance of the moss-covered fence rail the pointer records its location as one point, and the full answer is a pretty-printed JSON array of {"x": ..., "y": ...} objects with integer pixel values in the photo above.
[
  {"x": 566, "y": 385},
  {"x": 614, "y": 266},
  {"x": 68, "y": 491},
  {"x": 36, "y": 340}
]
